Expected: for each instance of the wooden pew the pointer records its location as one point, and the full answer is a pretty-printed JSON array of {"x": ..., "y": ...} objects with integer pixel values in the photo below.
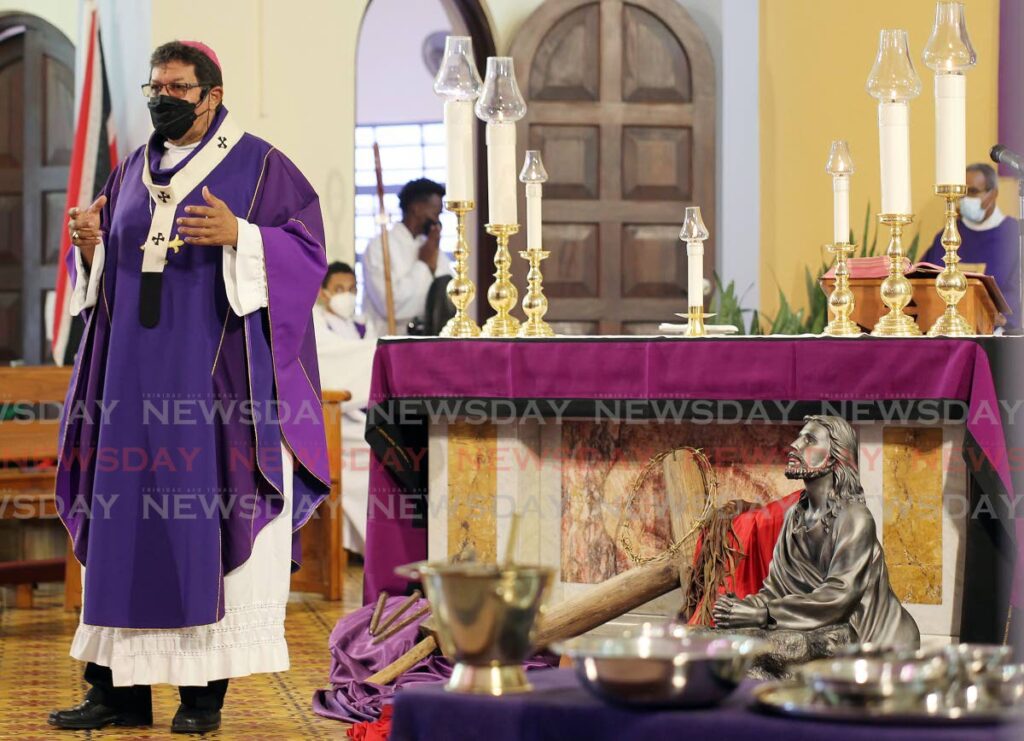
[
  {"x": 324, "y": 559},
  {"x": 28, "y": 455}
]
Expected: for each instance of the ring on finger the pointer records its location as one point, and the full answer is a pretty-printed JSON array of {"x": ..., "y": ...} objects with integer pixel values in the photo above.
[{"x": 74, "y": 236}]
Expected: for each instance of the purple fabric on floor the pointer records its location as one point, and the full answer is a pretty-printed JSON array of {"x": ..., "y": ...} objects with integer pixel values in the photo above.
[
  {"x": 354, "y": 658},
  {"x": 559, "y": 708}
]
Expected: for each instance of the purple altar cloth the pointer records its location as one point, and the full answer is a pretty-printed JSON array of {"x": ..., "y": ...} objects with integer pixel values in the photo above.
[
  {"x": 804, "y": 369},
  {"x": 560, "y": 708}
]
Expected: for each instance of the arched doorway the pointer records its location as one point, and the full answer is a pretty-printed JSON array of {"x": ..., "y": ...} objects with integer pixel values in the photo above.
[
  {"x": 621, "y": 103},
  {"x": 396, "y": 107},
  {"x": 37, "y": 91}
]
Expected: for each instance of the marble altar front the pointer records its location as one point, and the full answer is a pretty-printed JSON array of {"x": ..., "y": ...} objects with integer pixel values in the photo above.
[{"x": 574, "y": 483}]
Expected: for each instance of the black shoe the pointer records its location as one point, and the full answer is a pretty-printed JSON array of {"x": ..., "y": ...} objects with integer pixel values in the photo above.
[
  {"x": 91, "y": 715},
  {"x": 195, "y": 720}
]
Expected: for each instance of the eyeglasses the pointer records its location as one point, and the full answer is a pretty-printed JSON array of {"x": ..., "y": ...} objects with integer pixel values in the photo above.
[{"x": 174, "y": 89}]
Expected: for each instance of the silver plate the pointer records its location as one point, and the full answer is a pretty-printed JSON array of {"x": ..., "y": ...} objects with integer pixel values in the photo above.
[{"x": 797, "y": 701}]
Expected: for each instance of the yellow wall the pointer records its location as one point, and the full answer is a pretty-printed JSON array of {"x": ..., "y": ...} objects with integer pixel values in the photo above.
[
  {"x": 815, "y": 59},
  {"x": 289, "y": 76},
  {"x": 506, "y": 16},
  {"x": 61, "y": 13},
  {"x": 301, "y": 96}
]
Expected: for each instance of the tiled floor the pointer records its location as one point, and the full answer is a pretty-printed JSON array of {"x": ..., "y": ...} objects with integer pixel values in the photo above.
[{"x": 37, "y": 675}]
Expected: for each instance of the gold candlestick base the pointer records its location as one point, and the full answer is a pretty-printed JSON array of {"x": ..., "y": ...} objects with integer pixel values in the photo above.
[
  {"x": 840, "y": 302},
  {"x": 535, "y": 304},
  {"x": 696, "y": 327},
  {"x": 896, "y": 289},
  {"x": 502, "y": 295},
  {"x": 461, "y": 289},
  {"x": 951, "y": 283}
]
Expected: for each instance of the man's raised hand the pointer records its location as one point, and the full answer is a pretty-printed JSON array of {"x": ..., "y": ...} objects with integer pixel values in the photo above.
[
  {"x": 84, "y": 225},
  {"x": 213, "y": 224}
]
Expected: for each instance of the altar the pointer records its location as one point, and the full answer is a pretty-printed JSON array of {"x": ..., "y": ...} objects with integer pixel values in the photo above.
[
  {"x": 561, "y": 708},
  {"x": 564, "y": 431}
]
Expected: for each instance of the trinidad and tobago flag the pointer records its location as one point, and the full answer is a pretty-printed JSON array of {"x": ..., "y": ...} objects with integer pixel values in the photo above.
[{"x": 92, "y": 159}]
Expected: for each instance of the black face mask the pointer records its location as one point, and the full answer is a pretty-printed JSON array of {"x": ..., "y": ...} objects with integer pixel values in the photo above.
[{"x": 172, "y": 117}]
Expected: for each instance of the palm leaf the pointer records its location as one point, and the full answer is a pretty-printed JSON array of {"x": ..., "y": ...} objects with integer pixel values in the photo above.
[
  {"x": 787, "y": 321},
  {"x": 755, "y": 323},
  {"x": 867, "y": 225},
  {"x": 817, "y": 302},
  {"x": 915, "y": 245}
]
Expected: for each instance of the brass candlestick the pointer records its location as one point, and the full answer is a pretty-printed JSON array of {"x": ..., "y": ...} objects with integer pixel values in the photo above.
[
  {"x": 502, "y": 295},
  {"x": 951, "y": 283},
  {"x": 535, "y": 304},
  {"x": 461, "y": 289},
  {"x": 695, "y": 327},
  {"x": 896, "y": 289},
  {"x": 840, "y": 302}
]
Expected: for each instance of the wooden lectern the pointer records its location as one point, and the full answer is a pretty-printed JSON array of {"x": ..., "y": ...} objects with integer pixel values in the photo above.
[
  {"x": 983, "y": 306},
  {"x": 324, "y": 559}
]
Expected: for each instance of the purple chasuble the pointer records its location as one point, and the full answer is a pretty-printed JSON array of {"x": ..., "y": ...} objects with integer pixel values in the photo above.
[
  {"x": 171, "y": 437},
  {"x": 999, "y": 249}
]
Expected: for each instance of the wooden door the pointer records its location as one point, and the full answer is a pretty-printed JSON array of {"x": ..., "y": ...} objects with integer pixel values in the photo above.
[
  {"x": 36, "y": 128},
  {"x": 621, "y": 104}
]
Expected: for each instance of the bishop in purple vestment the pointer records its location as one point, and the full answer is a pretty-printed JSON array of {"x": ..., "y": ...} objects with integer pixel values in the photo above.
[{"x": 192, "y": 443}]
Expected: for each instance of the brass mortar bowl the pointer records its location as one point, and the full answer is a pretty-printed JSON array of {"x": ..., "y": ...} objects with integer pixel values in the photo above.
[{"x": 486, "y": 617}]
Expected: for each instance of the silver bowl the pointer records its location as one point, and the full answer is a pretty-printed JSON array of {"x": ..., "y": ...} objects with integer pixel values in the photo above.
[
  {"x": 972, "y": 667},
  {"x": 663, "y": 667},
  {"x": 1005, "y": 685},
  {"x": 974, "y": 659},
  {"x": 878, "y": 678}
]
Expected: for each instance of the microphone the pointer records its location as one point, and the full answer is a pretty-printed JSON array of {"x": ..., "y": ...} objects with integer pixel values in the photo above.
[{"x": 1008, "y": 157}]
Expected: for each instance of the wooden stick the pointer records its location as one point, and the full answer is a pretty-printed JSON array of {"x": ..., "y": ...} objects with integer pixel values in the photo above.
[
  {"x": 611, "y": 599},
  {"x": 385, "y": 634},
  {"x": 405, "y": 662},
  {"x": 375, "y": 618},
  {"x": 513, "y": 533},
  {"x": 382, "y": 219},
  {"x": 603, "y": 602},
  {"x": 399, "y": 611}
]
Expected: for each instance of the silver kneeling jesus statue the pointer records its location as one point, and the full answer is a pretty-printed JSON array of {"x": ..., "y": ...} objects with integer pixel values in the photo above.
[{"x": 828, "y": 567}]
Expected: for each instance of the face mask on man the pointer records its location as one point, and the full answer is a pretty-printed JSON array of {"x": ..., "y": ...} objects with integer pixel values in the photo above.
[
  {"x": 172, "y": 117},
  {"x": 971, "y": 209},
  {"x": 343, "y": 304}
]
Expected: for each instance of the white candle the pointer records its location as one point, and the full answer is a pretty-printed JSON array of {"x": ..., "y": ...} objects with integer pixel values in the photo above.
[
  {"x": 533, "y": 216},
  {"x": 695, "y": 274},
  {"x": 950, "y": 129},
  {"x": 501, "y": 173},
  {"x": 840, "y": 209},
  {"x": 894, "y": 149},
  {"x": 458, "y": 129}
]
